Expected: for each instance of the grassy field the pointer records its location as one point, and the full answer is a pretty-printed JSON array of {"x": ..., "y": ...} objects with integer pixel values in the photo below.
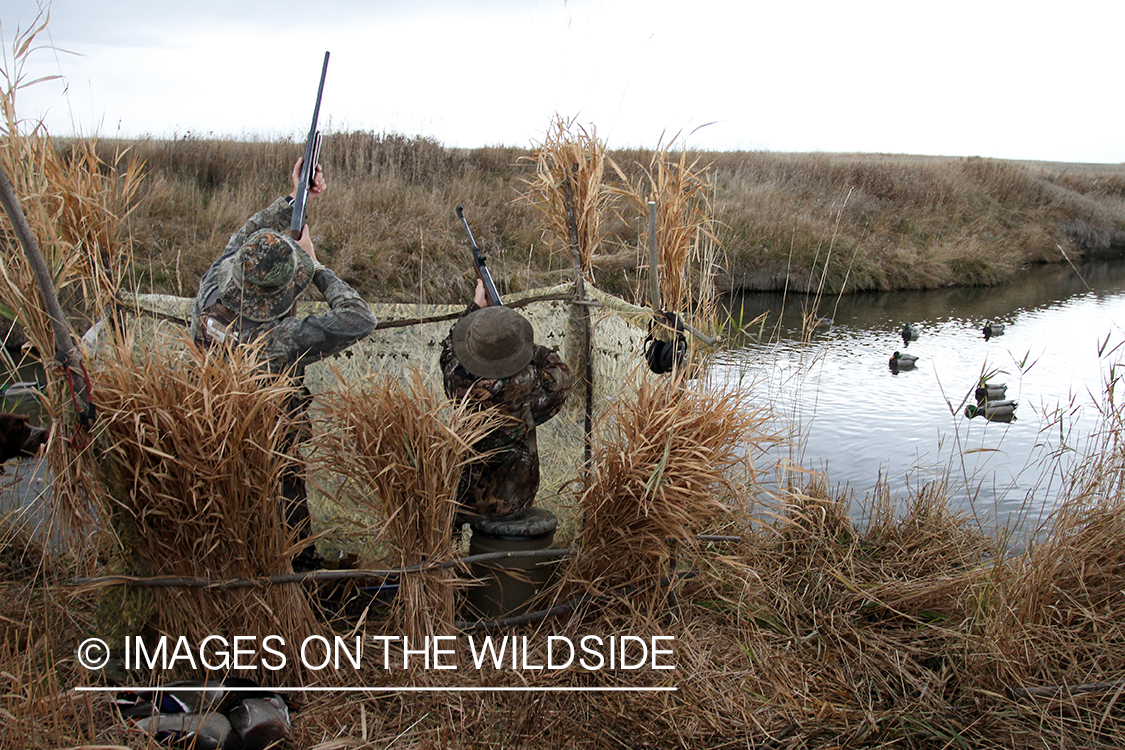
[{"x": 837, "y": 222}]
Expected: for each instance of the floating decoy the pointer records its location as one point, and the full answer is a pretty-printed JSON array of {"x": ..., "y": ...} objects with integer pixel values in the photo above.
[
  {"x": 990, "y": 392},
  {"x": 999, "y": 411},
  {"x": 814, "y": 323},
  {"x": 910, "y": 333},
  {"x": 902, "y": 361},
  {"x": 992, "y": 329}
]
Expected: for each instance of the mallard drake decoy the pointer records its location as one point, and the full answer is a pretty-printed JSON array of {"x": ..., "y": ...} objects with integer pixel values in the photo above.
[
  {"x": 990, "y": 392},
  {"x": 208, "y": 713},
  {"x": 902, "y": 361},
  {"x": 992, "y": 329},
  {"x": 210, "y": 731},
  {"x": 910, "y": 333},
  {"x": 998, "y": 411},
  {"x": 260, "y": 722},
  {"x": 183, "y": 697}
]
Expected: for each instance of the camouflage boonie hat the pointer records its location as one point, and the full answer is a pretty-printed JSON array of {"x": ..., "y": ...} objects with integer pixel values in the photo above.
[
  {"x": 261, "y": 281},
  {"x": 495, "y": 342}
]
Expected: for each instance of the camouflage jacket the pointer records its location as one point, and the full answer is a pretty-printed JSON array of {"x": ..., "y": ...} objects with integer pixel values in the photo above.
[
  {"x": 291, "y": 341},
  {"x": 505, "y": 484}
]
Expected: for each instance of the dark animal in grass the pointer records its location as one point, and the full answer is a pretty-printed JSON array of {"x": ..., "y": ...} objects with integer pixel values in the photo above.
[{"x": 19, "y": 438}]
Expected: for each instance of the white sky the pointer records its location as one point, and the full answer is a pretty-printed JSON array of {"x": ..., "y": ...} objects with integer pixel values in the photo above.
[{"x": 1020, "y": 80}]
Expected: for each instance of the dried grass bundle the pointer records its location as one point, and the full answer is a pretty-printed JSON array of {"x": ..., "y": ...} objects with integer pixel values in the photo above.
[
  {"x": 569, "y": 182},
  {"x": 75, "y": 205},
  {"x": 191, "y": 455},
  {"x": 664, "y": 469},
  {"x": 685, "y": 237},
  {"x": 401, "y": 449}
]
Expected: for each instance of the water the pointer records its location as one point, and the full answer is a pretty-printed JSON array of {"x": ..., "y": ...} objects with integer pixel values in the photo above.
[{"x": 860, "y": 423}]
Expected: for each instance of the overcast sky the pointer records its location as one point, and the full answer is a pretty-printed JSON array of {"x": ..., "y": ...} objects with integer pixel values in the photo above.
[{"x": 1020, "y": 80}]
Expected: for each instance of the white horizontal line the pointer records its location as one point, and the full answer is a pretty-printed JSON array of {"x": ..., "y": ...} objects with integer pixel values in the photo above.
[{"x": 391, "y": 689}]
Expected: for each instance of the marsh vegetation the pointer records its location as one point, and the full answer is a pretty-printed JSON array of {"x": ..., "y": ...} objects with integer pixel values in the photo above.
[{"x": 905, "y": 628}]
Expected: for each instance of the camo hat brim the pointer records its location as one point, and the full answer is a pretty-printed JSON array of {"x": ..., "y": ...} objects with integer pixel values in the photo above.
[
  {"x": 496, "y": 342},
  {"x": 261, "y": 281}
]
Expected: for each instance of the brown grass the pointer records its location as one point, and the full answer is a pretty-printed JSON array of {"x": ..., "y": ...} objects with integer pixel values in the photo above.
[
  {"x": 666, "y": 467},
  {"x": 189, "y": 454},
  {"x": 387, "y": 222},
  {"x": 400, "y": 449},
  {"x": 570, "y": 192},
  {"x": 75, "y": 204},
  {"x": 685, "y": 237},
  {"x": 907, "y": 630}
]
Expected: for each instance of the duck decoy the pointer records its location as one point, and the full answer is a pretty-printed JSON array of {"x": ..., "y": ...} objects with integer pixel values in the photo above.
[
  {"x": 992, "y": 329},
  {"x": 260, "y": 722},
  {"x": 208, "y": 714},
  {"x": 910, "y": 333},
  {"x": 902, "y": 361},
  {"x": 998, "y": 411},
  {"x": 990, "y": 392},
  {"x": 210, "y": 731},
  {"x": 181, "y": 697}
]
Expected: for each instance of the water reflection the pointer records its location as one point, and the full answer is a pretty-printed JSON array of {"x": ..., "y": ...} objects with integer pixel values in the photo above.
[{"x": 862, "y": 422}]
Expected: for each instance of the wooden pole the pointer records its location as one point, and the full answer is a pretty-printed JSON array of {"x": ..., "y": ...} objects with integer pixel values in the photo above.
[
  {"x": 654, "y": 296},
  {"x": 584, "y": 317}
]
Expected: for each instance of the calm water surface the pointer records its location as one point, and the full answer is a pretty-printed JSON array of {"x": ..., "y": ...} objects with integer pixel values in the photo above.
[{"x": 853, "y": 418}]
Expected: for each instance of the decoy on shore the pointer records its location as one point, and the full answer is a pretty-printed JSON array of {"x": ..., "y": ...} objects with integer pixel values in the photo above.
[
  {"x": 902, "y": 361},
  {"x": 206, "y": 714},
  {"x": 992, "y": 329},
  {"x": 260, "y": 722},
  {"x": 201, "y": 731}
]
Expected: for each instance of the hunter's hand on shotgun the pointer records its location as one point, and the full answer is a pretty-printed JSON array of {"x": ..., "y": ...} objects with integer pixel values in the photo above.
[
  {"x": 479, "y": 262},
  {"x": 309, "y": 165}
]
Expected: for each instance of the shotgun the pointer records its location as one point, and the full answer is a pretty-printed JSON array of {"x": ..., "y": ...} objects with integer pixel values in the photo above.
[
  {"x": 308, "y": 166},
  {"x": 479, "y": 262}
]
